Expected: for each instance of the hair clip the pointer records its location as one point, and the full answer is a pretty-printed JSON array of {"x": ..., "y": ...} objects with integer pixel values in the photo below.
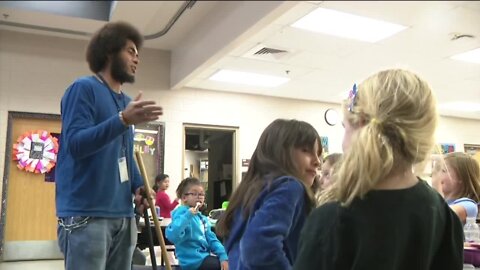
[{"x": 352, "y": 95}]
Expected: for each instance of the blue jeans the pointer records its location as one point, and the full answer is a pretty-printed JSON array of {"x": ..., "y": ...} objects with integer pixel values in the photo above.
[{"x": 97, "y": 243}]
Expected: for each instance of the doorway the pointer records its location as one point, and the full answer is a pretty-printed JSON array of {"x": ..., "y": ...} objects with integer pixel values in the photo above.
[
  {"x": 28, "y": 221},
  {"x": 209, "y": 154}
]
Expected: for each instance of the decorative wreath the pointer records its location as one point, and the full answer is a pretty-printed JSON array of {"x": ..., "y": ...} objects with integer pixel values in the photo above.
[{"x": 36, "y": 151}]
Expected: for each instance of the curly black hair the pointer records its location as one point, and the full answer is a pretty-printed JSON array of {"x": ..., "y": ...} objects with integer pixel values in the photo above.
[{"x": 109, "y": 40}]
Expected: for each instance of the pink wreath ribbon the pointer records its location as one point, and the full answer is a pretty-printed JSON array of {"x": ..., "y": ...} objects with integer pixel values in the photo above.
[{"x": 47, "y": 156}]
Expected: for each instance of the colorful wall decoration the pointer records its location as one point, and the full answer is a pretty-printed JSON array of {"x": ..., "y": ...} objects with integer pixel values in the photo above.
[
  {"x": 50, "y": 176},
  {"x": 144, "y": 143},
  {"x": 324, "y": 145},
  {"x": 36, "y": 151},
  {"x": 149, "y": 140},
  {"x": 447, "y": 147}
]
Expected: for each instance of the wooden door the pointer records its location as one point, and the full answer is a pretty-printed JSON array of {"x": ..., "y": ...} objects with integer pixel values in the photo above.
[{"x": 29, "y": 210}]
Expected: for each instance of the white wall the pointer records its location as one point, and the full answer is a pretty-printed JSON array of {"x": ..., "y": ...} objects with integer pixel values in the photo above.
[
  {"x": 458, "y": 131},
  {"x": 35, "y": 70}
]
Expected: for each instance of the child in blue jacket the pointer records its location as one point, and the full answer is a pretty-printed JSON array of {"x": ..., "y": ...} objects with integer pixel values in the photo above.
[
  {"x": 267, "y": 211},
  {"x": 191, "y": 232}
]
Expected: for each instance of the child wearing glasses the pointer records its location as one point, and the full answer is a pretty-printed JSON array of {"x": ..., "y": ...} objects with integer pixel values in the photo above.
[
  {"x": 267, "y": 211},
  {"x": 191, "y": 232}
]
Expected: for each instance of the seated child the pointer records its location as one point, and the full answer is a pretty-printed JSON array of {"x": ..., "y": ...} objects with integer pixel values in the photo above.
[
  {"x": 328, "y": 167},
  {"x": 267, "y": 211},
  {"x": 191, "y": 232},
  {"x": 162, "y": 182},
  {"x": 457, "y": 178},
  {"x": 324, "y": 178}
]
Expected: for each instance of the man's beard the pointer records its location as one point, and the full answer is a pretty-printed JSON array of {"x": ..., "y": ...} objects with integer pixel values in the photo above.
[{"x": 119, "y": 71}]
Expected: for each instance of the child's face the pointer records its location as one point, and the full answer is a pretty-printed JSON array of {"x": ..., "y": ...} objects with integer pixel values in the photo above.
[
  {"x": 349, "y": 130},
  {"x": 326, "y": 174},
  {"x": 448, "y": 179},
  {"x": 165, "y": 184},
  {"x": 307, "y": 162},
  {"x": 193, "y": 195}
]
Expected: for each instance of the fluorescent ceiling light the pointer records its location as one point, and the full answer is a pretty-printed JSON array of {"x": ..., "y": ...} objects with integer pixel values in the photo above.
[
  {"x": 347, "y": 25},
  {"x": 248, "y": 78},
  {"x": 472, "y": 56},
  {"x": 146, "y": 131},
  {"x": 461, "y": 106}
]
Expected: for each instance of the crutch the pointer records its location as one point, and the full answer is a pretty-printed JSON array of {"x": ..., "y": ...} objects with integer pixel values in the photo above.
[
  {"x": 150, "y": 240},
  {"x": 141, "y": 166}
]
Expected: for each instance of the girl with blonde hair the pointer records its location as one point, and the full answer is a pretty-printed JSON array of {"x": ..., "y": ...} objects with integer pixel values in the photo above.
[
  {"x": 377, "y": 214},
  {"x": 458, "y": 178}
]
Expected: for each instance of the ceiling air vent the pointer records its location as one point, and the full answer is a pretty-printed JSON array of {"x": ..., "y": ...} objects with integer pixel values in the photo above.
[
  {"x": 261, "y": 52},
  {"x": 266, "y": 50}
]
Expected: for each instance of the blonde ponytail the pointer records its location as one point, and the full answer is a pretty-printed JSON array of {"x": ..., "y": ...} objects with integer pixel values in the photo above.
[{"x": 395, "y": 113}]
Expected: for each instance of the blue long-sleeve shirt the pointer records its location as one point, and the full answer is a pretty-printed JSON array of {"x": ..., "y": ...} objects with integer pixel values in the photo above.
[
  {"x": 268, "y": 239},
  {"x": 92, "y": 140},
  {"x": 193, "y": 238},
  {"x": 471, "y": 207}
]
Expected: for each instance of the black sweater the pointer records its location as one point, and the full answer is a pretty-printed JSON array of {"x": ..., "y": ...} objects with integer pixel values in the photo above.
[{"x": 408, "y": 229}]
